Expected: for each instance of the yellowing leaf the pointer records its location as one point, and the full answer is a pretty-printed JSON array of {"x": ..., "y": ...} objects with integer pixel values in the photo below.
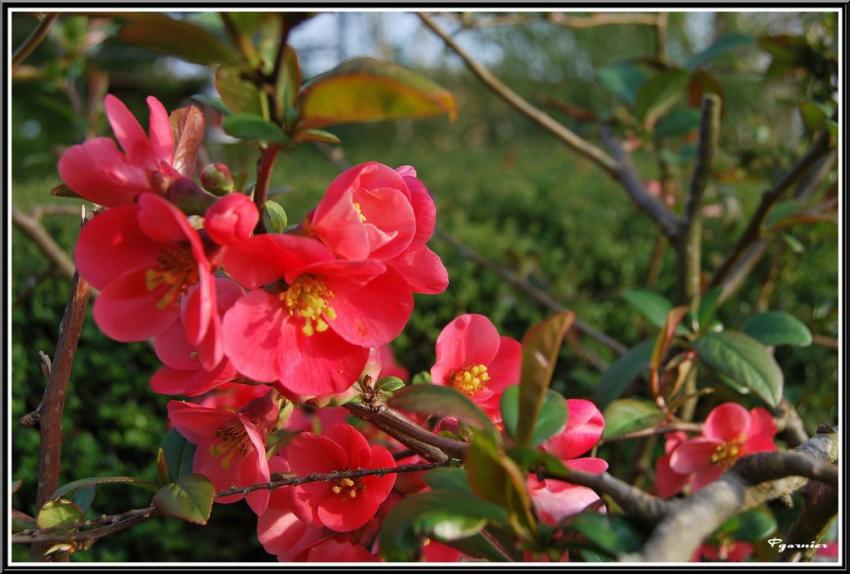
[{"x": 369, "y": 90}]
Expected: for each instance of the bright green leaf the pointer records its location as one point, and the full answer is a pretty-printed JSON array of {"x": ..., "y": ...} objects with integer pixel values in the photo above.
[
  {"x": 624, "y": 416},
  {"x": 367, "y": 90},
  {"x": 71, "y": 487},
  {"x": 444, "y": 401},
  {"x": 215, "y": 103},
  {"x": 189, "y": 499},
  {"x": 389, "y": 384},
  {"x": 552, "y": 417},
  {"x": 742, "y": 358},
  {"x": 238, "y": 94},
  {"x": 316, "y": 136},
  {"x": 251, "y": 127},
  {"x": 623, "y": 371},
  {"x": 61, "y": 512},
  {"x": 540, "y": 348},
  {"x": 723, "y": 45},
  {"x": 778, "y": 328},
  {"x": 177, "y": 38}
]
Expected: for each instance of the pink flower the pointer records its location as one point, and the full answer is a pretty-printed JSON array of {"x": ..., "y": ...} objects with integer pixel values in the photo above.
[
  {"x": 555, "y": 499},
  {"x": 231, "y": 445},
  {"x": 729, "y": 432},
  {"x": 316, "y": 420},
  {"x": 668, "y": 482},
  {"x": 143, "y": 258},
  {"x": 344, "y": 504},
  {"x": 371, "y": 211},
  {"x": 339, "y": 550},
  {"x": 231, "y": 219},
  {"x": 311, "y": 331},
  {"x": 474, "y": 359},
  {"x": 99, "y": 172},
  {"x": 433, "y": 551}
]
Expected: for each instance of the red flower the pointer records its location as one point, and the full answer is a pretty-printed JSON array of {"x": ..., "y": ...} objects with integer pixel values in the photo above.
[
  {"x": 231, "y": 445},
  {"x": 231, "y": 219},
  {"x": 729, "y": 432},
  {"x": 143, "y": 258},
  {"x": 344, "y": 504},
  {"x": 339, "y": 550},
  {"x": 310, "y": 331},
  {"x": 99, "y": 172},
  {"x": 729, "y": 551},
  {"x": 668, "y": 482},
  {"x": 371, "y": 211},
  {"x": 555, "y": 499},
  {"x": 474, "y": 359}
]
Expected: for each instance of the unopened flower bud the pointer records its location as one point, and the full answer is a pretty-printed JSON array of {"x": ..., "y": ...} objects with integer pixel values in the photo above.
[
  {"x": 231, "y": 218},
  {"x": 216, "y": 179}
]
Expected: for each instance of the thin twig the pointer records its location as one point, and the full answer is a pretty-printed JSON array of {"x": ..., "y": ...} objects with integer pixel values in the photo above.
[
  {"x": 90, "y": 530},
  {"x": 673, "y": 427},
  {"x": 752, "y": 233},
  {"x": 31, "y": 226},
  {"x": 34, "y": 39},
  {"x": 329, "y": 476},
  {"x": 53, "y": 403},
  {"x": 601, "y": 19},
  {"x": 564, "y": 134}
]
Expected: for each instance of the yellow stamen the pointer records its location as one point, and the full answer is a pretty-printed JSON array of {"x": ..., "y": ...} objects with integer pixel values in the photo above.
[
  {"x": 307, "y": 298},
  {"x": 359, "y": 211},
  {"x": 470, "y": 380},
  {"x": 176, "y": 269},
  {"x": 726, "y": 453},
  {"x": 347, "y": 487},
  {"x": 234, "y": 440}
]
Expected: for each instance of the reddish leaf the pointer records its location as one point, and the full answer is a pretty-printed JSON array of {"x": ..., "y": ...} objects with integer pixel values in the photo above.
[
  {"x": 662, "y": 343},
  {"x": 187, "y": 125}
]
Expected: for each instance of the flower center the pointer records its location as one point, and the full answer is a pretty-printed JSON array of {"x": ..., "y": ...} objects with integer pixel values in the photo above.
[
  {"x": 359, "y": 211},
  {"x": 234, "y": 440},
  {"x": 307, "y": 298},
  {"x": 347, "y": 487},
  {"x": 470, "y": 380},
  {"x": 726, "y": 453},
  {"x": 176, "y": 269}
]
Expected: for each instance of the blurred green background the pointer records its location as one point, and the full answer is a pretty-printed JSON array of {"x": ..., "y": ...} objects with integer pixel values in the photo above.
[{"x": 503, "y": 187}]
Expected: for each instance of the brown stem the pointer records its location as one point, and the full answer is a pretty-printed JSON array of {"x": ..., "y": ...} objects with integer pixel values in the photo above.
[
  {"x": 820, "y": 508},
  {"x": 673, "y": 427},
  {"x": 265, "y": 166},
  {"x": 89, "y": 531},
  {"x": 564, "y": 134},
  {"x": 33, "y": 40},
  {"x": 53, "y": 402},
  {"x": 296, "y": 480}
]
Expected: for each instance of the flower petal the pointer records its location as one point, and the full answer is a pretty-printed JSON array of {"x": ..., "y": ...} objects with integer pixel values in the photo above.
[
  {"x": 159, "y": 130},
  {"x": 422, "y": 269},
  {"x": 583, "y": 430},
  {"x": 252, "y": 335},
  {"x": 127, "y": 311},
  {"x": 99, "y": 172},
  {"x": 694, "y": 455},
  {"x": 728, "y": 422},
  {"x": 469, "y": 339}
]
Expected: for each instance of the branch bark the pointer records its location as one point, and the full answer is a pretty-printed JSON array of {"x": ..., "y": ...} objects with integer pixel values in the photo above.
[
  {"x": 752, "y": 481},
  {"x": 53, "y": 402}
]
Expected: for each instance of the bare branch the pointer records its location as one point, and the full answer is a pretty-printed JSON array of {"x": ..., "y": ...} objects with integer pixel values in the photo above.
[
  {"x": 667, "y": 221},
  {"x": 601, "y": 19},
  {"x": 752, "y": 233},
  {"x": 31, "y": 226},
  {"x": 564, "y": 134},
  {"x": 753, "y": 480},
  {"x": 328, "y": 476},
  {"x": 820, "y": 508},
  {"x": 53, "y": 403},
  {"x": 34, "y": 39},
  {"x": 88, "y": 531}
]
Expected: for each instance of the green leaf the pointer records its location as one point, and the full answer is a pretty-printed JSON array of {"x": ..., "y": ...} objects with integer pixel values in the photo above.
[
  {"x": 441, "y": 514},
  {"x": 444, "y": 401},
  {"x": 367, "y": 90},
  {"x": 624, "y": 416},
  {"x": 743, "y": 359},
  {"x": 540, "y": 348},
  {"x": 723, "y": 45},
  {"x": 274, "y": 216},
  {"x": 215, "y": 103},
  {"x": 251, "y": 127},
  {"x": 613, "y": 534},
  {"x": 708, "y": 306},
  {"x": 84, "y": 497},
  {"x": 61, "y": 512},
  {"x": 177, "y": 38},
  {"x": 189, "y": 499},
  {"x": 497, "y": 479},
  {"x": 814, "y": 115},
  {"x": 530, "y": 459},
  {"x": 421, "y": 378},
  {"x": 680, "y": 120},
  {"x": 778, "y": 328},
  {"x": 389, "y": 384},
  {"x": 659, "y": 93},
  {"x": 290, "y": 79},
  {"x": 71, "y": 487},
  {"x": 751, "y": 526},
  {"x": 623, "y": 80},
  {"x": 623, "y": 371},
  {"x": 179, "y": 454},
  {"x": 650, "y": 304},
  {"x": 552, "y": 417},
  {"x": 316, "y": 136},
  {"x": 447, "y": 479},
  {"x": 238, "y": 94},
  {"x": 832, "y": 128}
]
